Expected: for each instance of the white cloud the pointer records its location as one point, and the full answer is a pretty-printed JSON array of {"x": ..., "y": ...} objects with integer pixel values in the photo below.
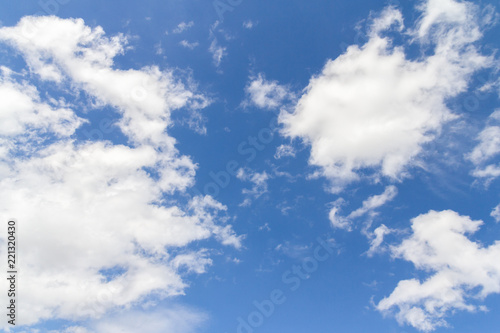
[
  {"x": 489, "y": 172},
  {"x": 69, "y": 48},
  {"x": 88, "y": 209},
  {"x": 439, "y": 15},
  {"x": 294, "y": 251},
  {"x": 259, "y": 187},
  {"x": 265, "y": 227},
  {"x": 265, "y": 94},
  {"x": 496, "y": 213},
  {"x": 488, "y": 148},
  {"x": 189, "y": 45},
  {"x": 368, "y": 208},
  {"x": 462, "y": 270},
  {"x": 218, "y": 52},
  {"x": 489, "y": 145},
  {"x": 337, "y": 220},
  {"x": 390, "y": 18},
  {"x": 158, "y": 48},
  {"x": 378, "y": 239},
  {"x": 74, "y": 329},
  {"x": 175, "y": 319},
  {"x": 372, "y": 109},
  {"x": 96, "y": 203},
  {"x": 206, "y": 209},
  {"x": 284, "y": 151},
  {"x": 183, "y": 26},
  {"x": 375, "y": 202},
  {"x": 22, "y": 111},
  {"x": 249, "y": 24},
  {"x": 193, "y": 261}
]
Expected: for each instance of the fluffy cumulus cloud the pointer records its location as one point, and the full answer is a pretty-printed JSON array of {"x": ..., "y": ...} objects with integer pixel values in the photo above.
[
  {"x": 368, "y": 207},
  {"x": 463, "y": 272},
  {"x": 265, "y": 94},
  {"x": 98, "y": 219},
  {"x": 371, "y": 110},
  {"x": 487, "y": 149}
]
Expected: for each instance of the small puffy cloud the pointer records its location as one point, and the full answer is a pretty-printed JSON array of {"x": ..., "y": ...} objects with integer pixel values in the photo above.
[
  {"x": 183, "y": 26},
  {"x": 488, "y": 172},
  {"x": 284, "y": 151},
  {"x": 372, "y": 109},
  {"x": 487, "y": 149},
  {"x": 368, "y": 207},
  {"x": 338, "y": 221},
  {"x": 259, "y": 187},
  {"x": 378, "y": 239},
  {"x": 496, "y": 213},
  {"x": 461, "y": 271},
  {"x": 390, "y": 18},
  {"x": 194, "y": 261},
  {"x": 265, "y": 94},
  {"x": 189, "y": 45},
  {"x": 489, "y": 145},
  {"x": 249, "y": 24}
]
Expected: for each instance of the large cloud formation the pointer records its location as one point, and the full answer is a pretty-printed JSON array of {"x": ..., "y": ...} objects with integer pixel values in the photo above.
[
  {"x": 371, "y": 110},
  {"x": 98, "y": 220},
  {"x": 461, "y": 269}
]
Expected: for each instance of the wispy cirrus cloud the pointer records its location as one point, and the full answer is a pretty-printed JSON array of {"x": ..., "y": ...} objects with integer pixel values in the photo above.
[
  {"x": 189, "y": 45},
  {"x": 368, "y": 207}
]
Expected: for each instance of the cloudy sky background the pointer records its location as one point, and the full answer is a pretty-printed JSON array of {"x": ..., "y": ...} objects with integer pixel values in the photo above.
[{"x": 175, "y": 165}]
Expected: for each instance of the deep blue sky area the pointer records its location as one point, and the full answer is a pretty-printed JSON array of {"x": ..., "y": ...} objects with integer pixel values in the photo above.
[{"x": 285, "y": 218}]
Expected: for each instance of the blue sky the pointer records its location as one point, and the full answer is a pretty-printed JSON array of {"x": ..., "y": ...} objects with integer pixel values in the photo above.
[{"x": 252, "y": 166}]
